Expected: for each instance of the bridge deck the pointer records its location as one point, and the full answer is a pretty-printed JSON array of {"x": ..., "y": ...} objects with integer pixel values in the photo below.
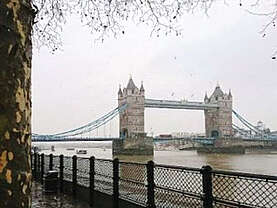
[{"x": 174, "y": 104}]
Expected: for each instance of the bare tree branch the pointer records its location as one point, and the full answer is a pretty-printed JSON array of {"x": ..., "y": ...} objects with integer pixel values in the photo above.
[
  {"x": 108, "y": 17},
  {"x": 105, "y": 17}
]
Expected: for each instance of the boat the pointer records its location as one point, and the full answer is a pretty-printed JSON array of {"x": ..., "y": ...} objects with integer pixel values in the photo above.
[{"x": 81, "y": 152}]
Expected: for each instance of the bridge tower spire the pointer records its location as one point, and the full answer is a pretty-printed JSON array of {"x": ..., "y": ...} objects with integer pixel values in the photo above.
[
  {"x": 218, "y": 122},
  {"x": 131, "y": 120}
]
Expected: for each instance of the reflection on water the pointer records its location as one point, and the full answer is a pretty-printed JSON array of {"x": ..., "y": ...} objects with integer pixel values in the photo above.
[
  {"x": 218, "y": 161},
  {"x": 255, "y": 163}
]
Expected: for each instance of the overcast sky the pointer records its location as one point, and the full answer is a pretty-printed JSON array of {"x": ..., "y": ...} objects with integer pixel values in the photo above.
[{"x": 80, "y": 83}]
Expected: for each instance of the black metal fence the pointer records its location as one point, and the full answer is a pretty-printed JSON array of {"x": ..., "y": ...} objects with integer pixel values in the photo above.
[{"x": 153, "y": 185}]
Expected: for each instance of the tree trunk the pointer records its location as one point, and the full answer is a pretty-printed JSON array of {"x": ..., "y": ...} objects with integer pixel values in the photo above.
[{"x": 16, "y": 18}]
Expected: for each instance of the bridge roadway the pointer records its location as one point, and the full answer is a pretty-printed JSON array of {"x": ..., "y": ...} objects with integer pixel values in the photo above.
[{"x": 152, "y": 103}]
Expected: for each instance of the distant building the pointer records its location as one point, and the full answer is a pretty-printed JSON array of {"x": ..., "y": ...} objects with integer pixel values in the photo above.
[
  {"x": 180, "y": 134},
  {"x": 260, "y": 126},
  {"x": 274, "y": 133},
  {"x": 186, "y": 134}
]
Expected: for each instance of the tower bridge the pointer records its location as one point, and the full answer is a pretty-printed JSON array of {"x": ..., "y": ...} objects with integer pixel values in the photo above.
[{"x": 217, "y": 108}]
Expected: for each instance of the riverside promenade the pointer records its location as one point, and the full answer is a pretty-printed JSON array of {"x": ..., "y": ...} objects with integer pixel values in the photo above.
[
  {"x": 42, "y": 200},
  {"x": 116, "y": 184}
]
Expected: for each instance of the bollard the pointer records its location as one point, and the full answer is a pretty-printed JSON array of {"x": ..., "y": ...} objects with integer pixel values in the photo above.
[
  {"x": 51, "y": 181},
  {"x": 51, "y": 162},
  {"x": 115, "y": 182},
  {"x": 207, "y": 186}
]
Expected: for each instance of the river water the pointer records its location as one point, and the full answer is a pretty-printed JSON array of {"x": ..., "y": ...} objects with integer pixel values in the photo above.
[{"x": 259, "y": 163}]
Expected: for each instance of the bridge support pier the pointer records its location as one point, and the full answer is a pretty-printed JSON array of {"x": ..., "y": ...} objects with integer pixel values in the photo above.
[
  {"x": 133, "y": 145},
  {"x": 137, "y": 147}
]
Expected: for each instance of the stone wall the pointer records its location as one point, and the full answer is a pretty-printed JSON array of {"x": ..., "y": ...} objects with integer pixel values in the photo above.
[
  {"x": 235, "y": 142},
  {"x": 134, "y": 145},
  {"x": 229, "y": 142}
]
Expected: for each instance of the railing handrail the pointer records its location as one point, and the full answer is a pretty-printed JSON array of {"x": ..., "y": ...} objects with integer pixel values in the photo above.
[
  {"x": 214, "y": 171},
  {"x": 244, "y": 174},
  {"x": 178, "y": 167},
  {"x": 132, "y": 163}
]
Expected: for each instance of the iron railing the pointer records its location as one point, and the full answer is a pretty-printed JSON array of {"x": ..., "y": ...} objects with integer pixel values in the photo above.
[{"x": 154, "y": 185}]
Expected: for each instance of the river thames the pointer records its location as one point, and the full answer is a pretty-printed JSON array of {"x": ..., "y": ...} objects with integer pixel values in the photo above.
[{"x": 254, "y": 162}]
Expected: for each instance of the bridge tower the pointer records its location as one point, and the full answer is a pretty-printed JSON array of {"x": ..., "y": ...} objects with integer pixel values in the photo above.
[
  {"x": 218, "y": 122},
  {"x": 131, "y": 121}
]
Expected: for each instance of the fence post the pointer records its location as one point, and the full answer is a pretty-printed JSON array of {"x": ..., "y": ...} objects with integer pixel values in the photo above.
[
  {"x": 91, "y": 179},
  {"x": 150, "y": 185},
  {"x": 207, "y": 186},
  {"x": 74, "y": 175},
  {"x": 32, "y": 163},
  {"x": 42, "y": 168},
  {"x": 115, "y": 182},
  {"x": 35, "y": 165},
  {"x": 39, "y": 166},
  {"x": 51, "y": 162},
  {"x": 61, "y": 173}
]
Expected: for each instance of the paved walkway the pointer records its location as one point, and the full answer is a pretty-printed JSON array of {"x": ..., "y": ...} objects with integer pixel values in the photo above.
[{"x": 42, "y": 200}]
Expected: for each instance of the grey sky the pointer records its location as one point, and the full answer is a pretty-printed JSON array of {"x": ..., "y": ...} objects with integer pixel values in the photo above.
[{"x": 80, "y": 83}]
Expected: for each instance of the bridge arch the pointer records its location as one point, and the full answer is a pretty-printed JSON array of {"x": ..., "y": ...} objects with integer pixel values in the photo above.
[{"x": 215, "y": 133}]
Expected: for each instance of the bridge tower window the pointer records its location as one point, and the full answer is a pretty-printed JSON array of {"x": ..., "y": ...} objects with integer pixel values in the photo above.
[
  {"x": 125, "y": 133},
  {"x": 214, "y": 133}
]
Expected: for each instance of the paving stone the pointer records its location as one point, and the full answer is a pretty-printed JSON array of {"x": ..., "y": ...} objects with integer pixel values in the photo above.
[{"x": 40, "y": 199}]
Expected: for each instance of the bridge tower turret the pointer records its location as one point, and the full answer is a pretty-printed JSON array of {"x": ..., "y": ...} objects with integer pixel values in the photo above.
[
  {"x": 218, "y": 122},
  {"x": 131, "y": 120}
]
